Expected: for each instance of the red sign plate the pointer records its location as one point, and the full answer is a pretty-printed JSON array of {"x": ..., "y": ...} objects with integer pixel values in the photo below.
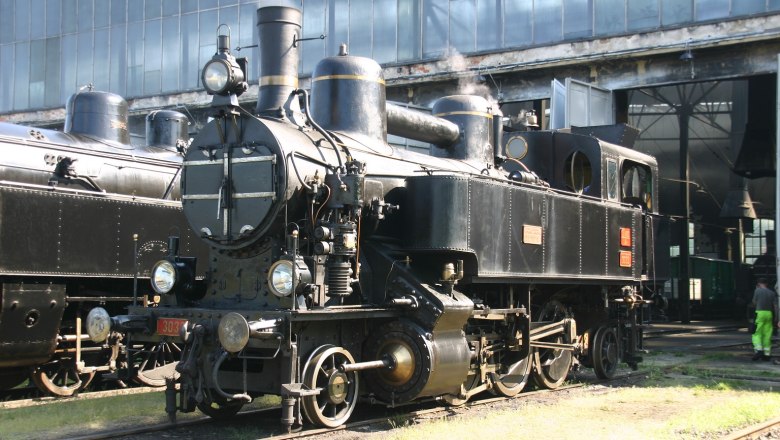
[{"x": 169, "y": 326}]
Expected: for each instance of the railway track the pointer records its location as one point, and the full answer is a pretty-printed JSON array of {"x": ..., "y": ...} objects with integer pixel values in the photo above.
[
  {"x": 755, "y": 432},
  {"x": 362, "y": 419}
]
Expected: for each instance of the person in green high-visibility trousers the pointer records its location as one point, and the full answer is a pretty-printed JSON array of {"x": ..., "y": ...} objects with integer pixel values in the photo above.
[{"x": 765, "y": 302}]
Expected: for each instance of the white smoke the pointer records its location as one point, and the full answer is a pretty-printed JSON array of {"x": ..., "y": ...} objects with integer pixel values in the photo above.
[{"x": 470, "y": 82}]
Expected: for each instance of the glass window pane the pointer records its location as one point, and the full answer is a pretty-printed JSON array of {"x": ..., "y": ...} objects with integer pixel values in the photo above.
[
  {"x": 227, "y": 2},
  {"x": 577, "y": 19},
  {"x": 170, "y": 64},
  {"x": 85, "y": 15},
  {"x": 547, "y": 21},
  {"x": 69, "y": 11},
  {"x": 463, "y": 25},
  {"x": 360, "y": 14},
  {"x": 37, "y": 72},
  {"x": 676, "y": 11},
  {"x": 135, "y": 11},
  {"x": 435, "y": 27},
  {"x": 247, "y": 36},
  {"x": 152, "y": 9},
  {"x": 489, "y": 24},
  {"x": 84, "y": 64},
  {"x": 135, "y": 60},
  {"x": 610, "y": 16},
  {"x": 38, "y": 27},
  {"x": 313, "y": 26},
  {"x": 207, "y": 23},
  {"x": 189, "y": 6},
  {"x": 53, "y": 13},
  {"x": 643, "y": 14},
  {"x": 774, "y": 5},
  {"x": 170, "y": 7},
  {"x": 21, "y": 74},
  {"x": 7, "y": 21},
  {"x": 189, "y": 53},
  {"x": 385, "y": 19},
  {"x": 22, "y": 20},
  {"x": 152, "y": 56},
  {"x": 118, "y": 11},
  {"x": 711, "y": 9},
  {"x": 118, "y": 72},
  {"x": 208, "y": 4},
  {"x": 338, "y": 26},
  {"x": 52, "y": 93},
  {"x": 7, "y": 72},
  {"x": 100, "y": 74},
  {"x": 102, "y": 13},
  {"x": 68, "y": 70},
  {"x": 409, "y": 30},
  {"x": 229, "y": 16},
  {"x": 519, "y": 29}
]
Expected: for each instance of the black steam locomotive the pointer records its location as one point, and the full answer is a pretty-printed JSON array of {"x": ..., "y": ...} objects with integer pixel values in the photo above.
[
  {"x": 80, "y": 210},
  {"x": 342, "y": 268}
]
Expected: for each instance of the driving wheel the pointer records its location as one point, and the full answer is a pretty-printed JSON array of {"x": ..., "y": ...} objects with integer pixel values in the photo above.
[
  {"x": 513, "y": 375},
  {"x": 551, "y": 365},
  {"x": 339, "y": 391},
  {"x": 605, "y": 352}
]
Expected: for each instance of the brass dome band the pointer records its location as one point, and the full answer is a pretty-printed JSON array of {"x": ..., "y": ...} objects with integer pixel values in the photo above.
[
  {"x": 278, "y": 80},
  {"x": 350, "y": 77}
]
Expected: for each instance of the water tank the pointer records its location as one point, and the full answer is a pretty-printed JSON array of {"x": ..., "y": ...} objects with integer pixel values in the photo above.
[{"x": 100, "y": 115}]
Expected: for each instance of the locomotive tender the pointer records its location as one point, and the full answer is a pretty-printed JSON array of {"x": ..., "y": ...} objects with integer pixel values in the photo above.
[
  {"x": 71, "y": 204},
  {"x": 343, "y": 269}
]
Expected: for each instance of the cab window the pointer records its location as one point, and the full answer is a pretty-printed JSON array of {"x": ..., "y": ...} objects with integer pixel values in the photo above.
[{"x": 636, "y": 185}]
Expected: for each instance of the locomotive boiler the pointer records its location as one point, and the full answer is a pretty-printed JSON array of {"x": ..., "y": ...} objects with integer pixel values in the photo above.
[
  {"x": 80, "y": 211},
  {"x": 343, "y": 269}
]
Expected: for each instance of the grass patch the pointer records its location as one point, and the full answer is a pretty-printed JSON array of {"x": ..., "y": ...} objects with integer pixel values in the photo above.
[
  {"x": 672, "y": 414},
  {"x": 61, "y": 418}
]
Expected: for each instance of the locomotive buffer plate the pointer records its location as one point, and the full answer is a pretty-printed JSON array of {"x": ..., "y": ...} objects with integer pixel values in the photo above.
[{"x": 169, "y": 326}]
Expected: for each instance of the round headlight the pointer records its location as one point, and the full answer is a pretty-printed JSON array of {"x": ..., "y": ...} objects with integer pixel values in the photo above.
[
  {"x": 163, "y": 276},
  {"x": 280, "y": 278},
  {"x": 216, "y": 75},
  {"x": 98, "y": 324},
  {"x": 233, "y": 332}
]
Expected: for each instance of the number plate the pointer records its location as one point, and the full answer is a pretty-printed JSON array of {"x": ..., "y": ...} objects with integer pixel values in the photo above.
[{"x": 169, "y": 326}]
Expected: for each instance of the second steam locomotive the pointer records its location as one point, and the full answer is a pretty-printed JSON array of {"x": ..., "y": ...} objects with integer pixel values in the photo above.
[{"x": 343, "y": 269}]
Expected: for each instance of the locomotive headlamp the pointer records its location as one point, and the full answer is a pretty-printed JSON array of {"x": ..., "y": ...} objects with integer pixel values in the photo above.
[
  {"x": 280, "y": 278},
  {"x": 224, "y": 74},
  {"x": 163, "y": 276},
  {"x": 233, "y": 332},
  {"x": 174, "y": 275},
  {"x": 288, "y": 275},
  {"x": 98, "y": 324}
]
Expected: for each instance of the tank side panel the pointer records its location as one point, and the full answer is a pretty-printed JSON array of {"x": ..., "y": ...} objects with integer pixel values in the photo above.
[{"x": 30, "y": 316}]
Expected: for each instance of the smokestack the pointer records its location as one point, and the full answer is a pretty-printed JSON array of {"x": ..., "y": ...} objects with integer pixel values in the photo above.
[{"x": 279, "y": 29}]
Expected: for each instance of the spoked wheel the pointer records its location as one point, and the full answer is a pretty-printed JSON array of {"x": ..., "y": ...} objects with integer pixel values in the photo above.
[
  {"x": 470, "y": 383},
  {"x": 512, "y": 376},
  {"x": 156, "y": 362},
  {"x": 605, "y": 352},
  {"x": 60, "y": 378},
  {"x": 551, "y": 366},
  {"x": 338, "y": 398},
  {"x": 220, "y": 409}
]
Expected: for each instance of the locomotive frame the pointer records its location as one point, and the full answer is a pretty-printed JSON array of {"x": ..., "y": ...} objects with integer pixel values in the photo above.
[{"x": 344, "y": 269}]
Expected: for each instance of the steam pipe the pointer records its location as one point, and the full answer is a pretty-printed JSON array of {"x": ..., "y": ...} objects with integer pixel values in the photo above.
[{"x": 419, "y": 126}]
